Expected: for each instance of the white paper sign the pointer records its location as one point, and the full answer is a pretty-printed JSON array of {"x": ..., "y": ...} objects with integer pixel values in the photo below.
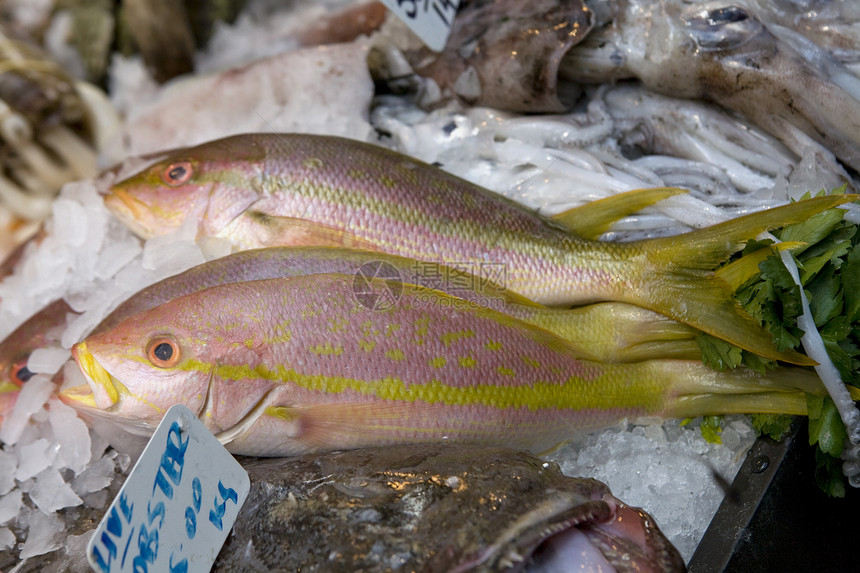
[
  {"x": 177, "y": 506},
  {"x": 431, "y": 20}
]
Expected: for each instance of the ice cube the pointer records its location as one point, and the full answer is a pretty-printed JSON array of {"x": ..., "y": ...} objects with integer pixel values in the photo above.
[
  {"x": 35, "y": 457},
  {"x": 119, "y": 439},
  {"x": 97, "y": 476},
  {"x": 42, "y": 536},
  {"x": 72, "y": 376},
  {"x": 99, "y": 446},
  {"x": 72, "y": 436},
  {"x": 7, "y": 538},
  {"x": 75, "y": 548},
  {"x": 96, "y": 499},
  {"x": 79, "y": 327},
  {"x": 117, "y": 255},
  {"x": 10, "y": 505},
  {"x": 47, "y": 360},
  {"x": 169, "y": 256},
  {"x": 655, "y": 432},
  {"x": 69, "y": 222},
  {"x": 51, "y": 492},
  {"x": 8, "y": 465},
  {"x": 33, "y": 396}
]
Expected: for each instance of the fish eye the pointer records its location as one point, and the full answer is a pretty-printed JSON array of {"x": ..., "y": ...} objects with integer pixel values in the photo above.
[
  {"x": 722, "y": 28},
  {"x": 177, "y": 173},
  {"x": 727, "y": 15},
  {"x": 163, "y": 352},
  {"x": 20, "y": 372}
]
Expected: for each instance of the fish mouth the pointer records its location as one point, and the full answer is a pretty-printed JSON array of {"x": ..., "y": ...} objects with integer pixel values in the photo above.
[
  {"x": 134, "y": 205},
  {"x": 128, "y": 208},
  {"x": 100, "y": 397},
  {"x": 601, "y": 530},
  {"x": 101, "y": 391}
]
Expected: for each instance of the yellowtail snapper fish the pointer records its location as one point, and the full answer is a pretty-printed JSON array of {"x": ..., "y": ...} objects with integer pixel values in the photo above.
[{"x": 289, "y": 366}]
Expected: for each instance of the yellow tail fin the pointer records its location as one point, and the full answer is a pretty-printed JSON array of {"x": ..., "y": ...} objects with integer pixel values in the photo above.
[
  {"x": 782, "y": 390},
  {"x": 680, "y": 281}
]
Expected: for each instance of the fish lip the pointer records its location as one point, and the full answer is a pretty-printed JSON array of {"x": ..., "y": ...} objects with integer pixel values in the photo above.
[
  {"x": 79, "y": 397},
  {"x": 129, "y": 209},
  {"x": 103, "y": 387},
  {"x": 133, "y": 204}
]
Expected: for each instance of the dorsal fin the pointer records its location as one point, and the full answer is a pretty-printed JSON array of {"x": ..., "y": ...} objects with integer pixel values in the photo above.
[{"x": 591, "y": 220}]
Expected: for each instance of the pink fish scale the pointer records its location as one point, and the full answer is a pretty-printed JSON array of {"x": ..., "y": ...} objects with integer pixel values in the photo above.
[{"x": 461, "y": 348}]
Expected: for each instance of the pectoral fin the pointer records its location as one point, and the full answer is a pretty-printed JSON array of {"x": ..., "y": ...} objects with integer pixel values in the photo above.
[
  {"x": 255, "y": 229},
  {"x": 591, "y": 220}
]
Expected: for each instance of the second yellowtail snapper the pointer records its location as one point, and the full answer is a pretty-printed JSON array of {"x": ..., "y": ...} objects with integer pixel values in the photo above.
[
  {"x": 287, "y": 189},
  {"x": 285, "y": 366}
]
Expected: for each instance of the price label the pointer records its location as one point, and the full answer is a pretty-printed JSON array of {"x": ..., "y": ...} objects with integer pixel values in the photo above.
[
  {"x": 177, "y": 506},
  {"x": 431, "y": 20}
]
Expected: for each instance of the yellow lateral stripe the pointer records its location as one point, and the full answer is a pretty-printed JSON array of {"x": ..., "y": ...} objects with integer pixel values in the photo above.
[{"x": 573, "y": 394}]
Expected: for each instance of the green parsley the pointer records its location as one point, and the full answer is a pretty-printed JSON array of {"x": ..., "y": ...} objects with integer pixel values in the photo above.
[{"x": 827, "y": 261}]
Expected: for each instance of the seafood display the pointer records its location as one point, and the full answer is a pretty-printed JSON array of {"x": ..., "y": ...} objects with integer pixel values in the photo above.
[
  {"x": 476, "y": 63},
  {"x": 331, "y": 237},
  {"x": 268, "y": 94},
  {"x": 399, "y": 506},
  {"x": 15, "y": 350},
  {"x": 612, "y": 332}
]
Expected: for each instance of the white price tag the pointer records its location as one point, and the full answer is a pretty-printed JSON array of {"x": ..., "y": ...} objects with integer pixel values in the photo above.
[
  {"x": 177, "y": 506},
  {"x": 431, "y": 20}
]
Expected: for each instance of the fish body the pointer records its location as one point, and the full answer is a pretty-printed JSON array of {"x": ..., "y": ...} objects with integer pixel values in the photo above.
[
  {"x": 407, "y": 506},
  {"x": 289, "y": 366},
  {"x": 289, "y": 189}
]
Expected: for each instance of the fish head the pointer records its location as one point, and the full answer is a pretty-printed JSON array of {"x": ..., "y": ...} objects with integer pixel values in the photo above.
[
  {"x": 197, "y": 350},
  {"x": 213, "y": 182},
  {"x": 39, "y": 331},
  {"x": 134, "y": 373},
  {"x": 13, "y": 373}
]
